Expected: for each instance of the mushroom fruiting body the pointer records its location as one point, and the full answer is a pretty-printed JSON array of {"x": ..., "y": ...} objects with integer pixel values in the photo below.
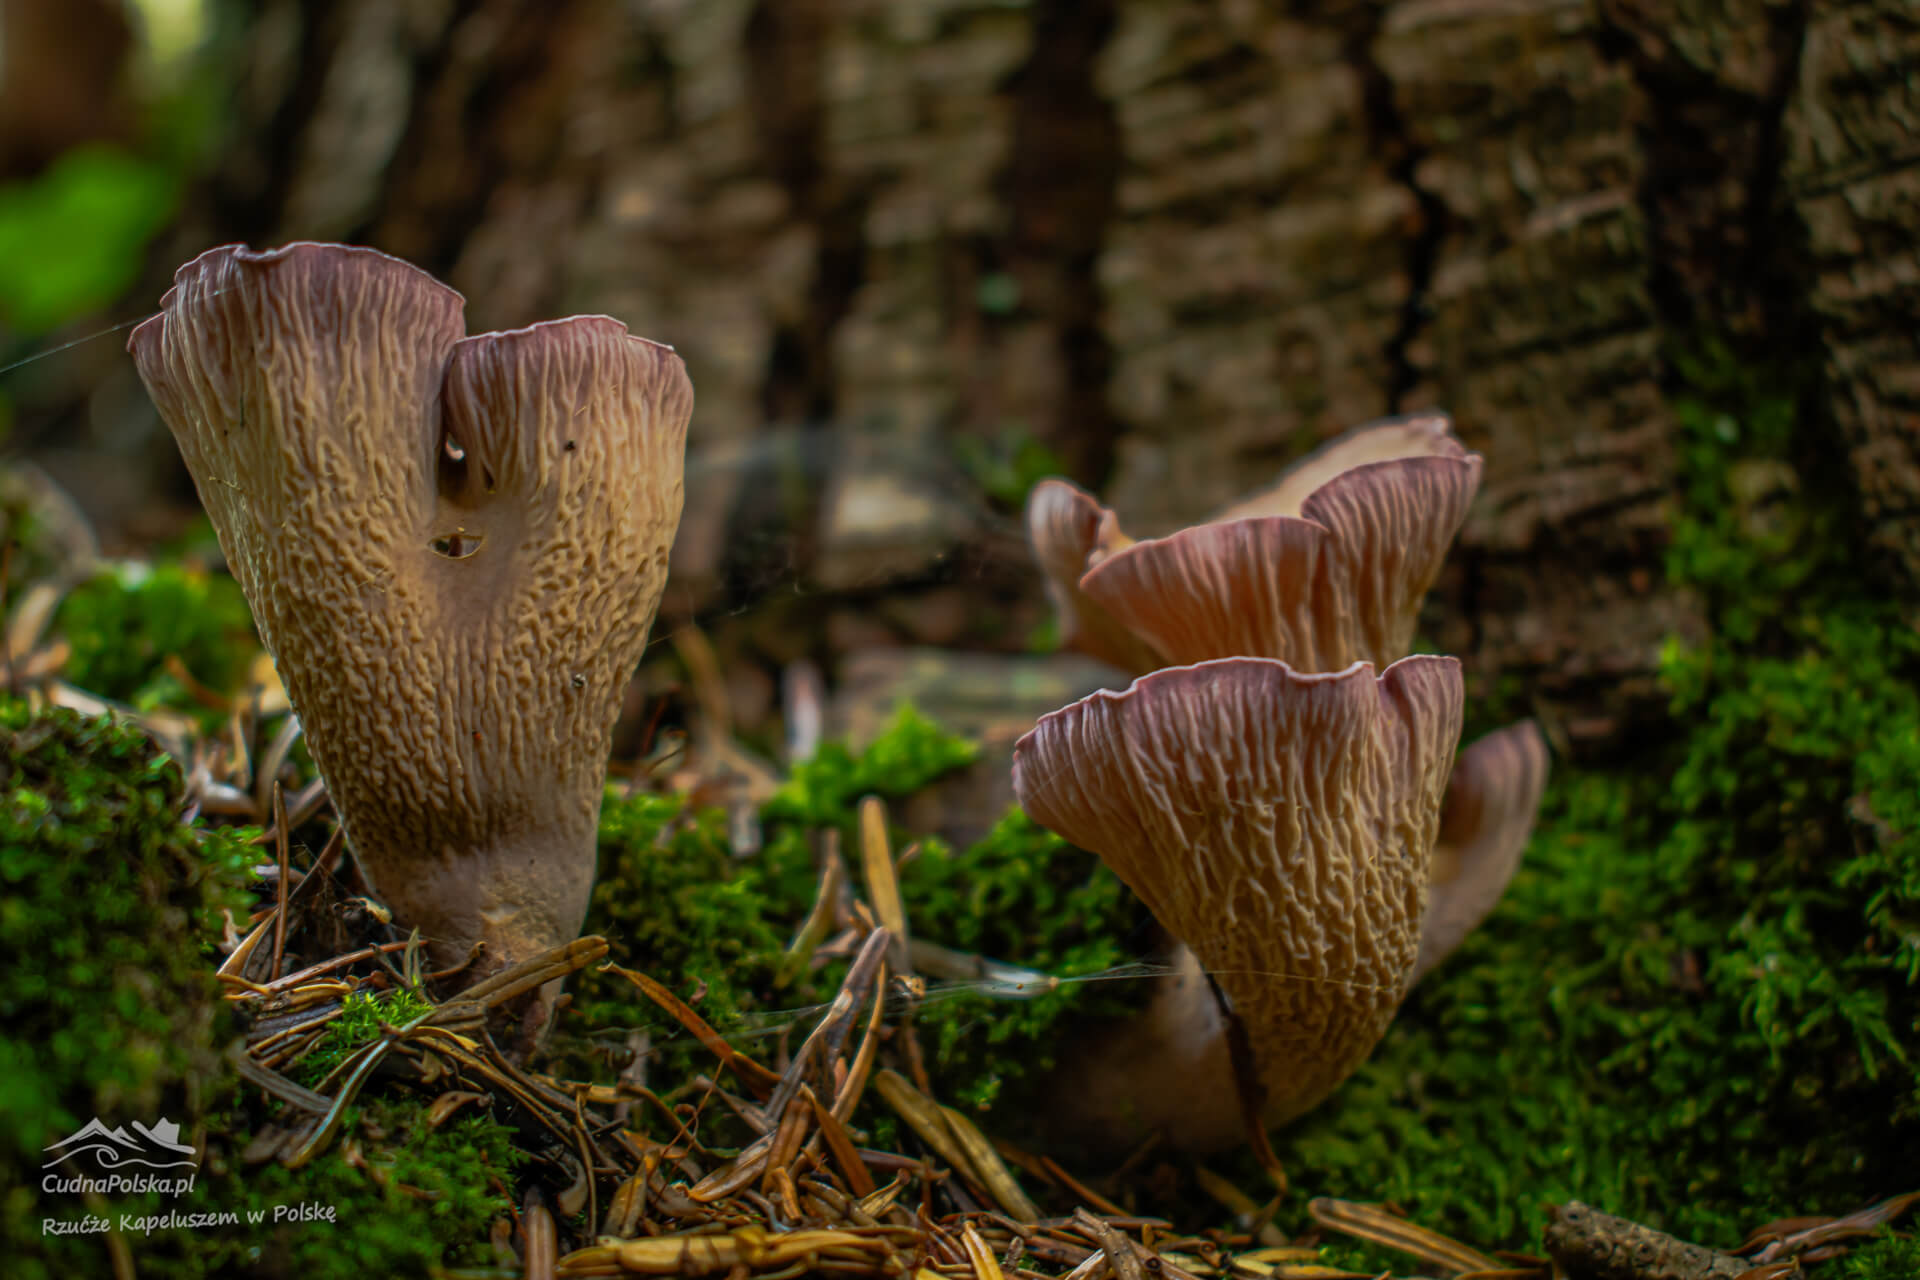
[
  {"x": 1325, "y": 568},
  {"x": 453, "y": 547},
  {"x": 1280, "y": 824}
]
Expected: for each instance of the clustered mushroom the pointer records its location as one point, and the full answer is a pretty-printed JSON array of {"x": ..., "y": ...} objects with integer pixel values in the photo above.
[
  {"x": 1275, "y": 783},
  {"x": 454, "y": 548}
]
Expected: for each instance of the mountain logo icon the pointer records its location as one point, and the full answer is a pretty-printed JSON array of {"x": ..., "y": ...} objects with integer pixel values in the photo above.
[{"x": 155, "y": 1146}]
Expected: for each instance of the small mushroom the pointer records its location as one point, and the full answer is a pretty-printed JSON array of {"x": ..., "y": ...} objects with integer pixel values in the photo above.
[
  {"x": 1331, "y": 571},
  {"x": 1278, "y": 823},
  {"x": 453, "y": 547},
  {"x": 1485, "y": 822},
  {"x": 1069, "y": 531}
]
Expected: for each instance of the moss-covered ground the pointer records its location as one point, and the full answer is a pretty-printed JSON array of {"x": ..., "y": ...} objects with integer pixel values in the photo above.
[
  {"x": 1698, "y": 1006},
  {"x": 109, "y": 1009},
  {"x": 675, "y": 901}
]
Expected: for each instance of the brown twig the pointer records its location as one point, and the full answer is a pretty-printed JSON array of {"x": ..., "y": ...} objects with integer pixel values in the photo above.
[{"x": 1590, "y": 1245}]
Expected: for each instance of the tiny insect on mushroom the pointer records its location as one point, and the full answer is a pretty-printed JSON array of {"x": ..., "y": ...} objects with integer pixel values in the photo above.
[
  {"x": 453, "y": 546},
  {"x": 1278, "y": 823}
]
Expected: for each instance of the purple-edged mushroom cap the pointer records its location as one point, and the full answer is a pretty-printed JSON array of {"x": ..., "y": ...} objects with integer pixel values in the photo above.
[
  {"x": 1339, "y": 582},
  {"x": 1281, "y": 825},
  {"x": 1325, "y": 568},
  {"x": 453, "y": 547}
]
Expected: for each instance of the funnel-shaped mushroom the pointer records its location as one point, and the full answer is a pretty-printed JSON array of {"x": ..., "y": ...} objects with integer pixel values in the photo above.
[
  {"x": 1325, "y": 568},
  {"x": 1484, "y": 824},
  {"x": 1278, "y": 823},
  {"x": 453, "y": 547}
]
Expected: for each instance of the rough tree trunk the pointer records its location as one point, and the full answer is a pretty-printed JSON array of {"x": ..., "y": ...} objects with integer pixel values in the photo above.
[{"x": 1180, "y": 241}]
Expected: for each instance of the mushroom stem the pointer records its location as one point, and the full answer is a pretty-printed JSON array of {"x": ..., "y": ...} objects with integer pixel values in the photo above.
[
  {"x": 453, "y": 547},
  {"x": 1167, "y": 1070}
]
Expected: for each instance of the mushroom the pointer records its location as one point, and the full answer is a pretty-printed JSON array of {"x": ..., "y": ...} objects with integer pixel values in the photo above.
[
  {"x": 453, "y": 547},
  {"x": 1325, "y": 568},
  {"x": 1069, "y": 531},
  {"x": 1485, "y": 821},
  {"x": 1278, "y": 823}
]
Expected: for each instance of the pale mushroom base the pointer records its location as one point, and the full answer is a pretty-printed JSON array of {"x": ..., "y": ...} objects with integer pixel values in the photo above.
[
  {"x": 496, "y": 906},
  {"x": 1167, "y": 1070}
]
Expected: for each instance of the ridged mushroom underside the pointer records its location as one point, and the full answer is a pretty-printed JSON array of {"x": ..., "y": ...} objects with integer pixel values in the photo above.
[
  {"x": 1278, "y": 823},
  {"x": 1339, "y": 583},
  {"x": 454, "y": 548},
  {"x": 1485, "y": 821}
]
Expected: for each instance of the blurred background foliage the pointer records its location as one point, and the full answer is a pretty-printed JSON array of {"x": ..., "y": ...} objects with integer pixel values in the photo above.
[
  {"x": 73, "y": 239},
  {"x": 75, "y": 229}
]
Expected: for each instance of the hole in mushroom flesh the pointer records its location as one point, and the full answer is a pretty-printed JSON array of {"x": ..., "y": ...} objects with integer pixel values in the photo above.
[{"x": 457, "y": 545}]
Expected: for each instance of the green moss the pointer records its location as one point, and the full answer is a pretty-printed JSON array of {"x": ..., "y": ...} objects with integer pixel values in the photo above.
[
  {"x": 910, "y": 753},
  {"x": 363, "y": 1019},
  {"x": 108, "y": 1001},
  {"x": 108, "y": 1005},
  {"x": 396, "y": 1196},
  {"x": 127, "y": 619},
  {"x": 1025, "y": 896},
  {"x": 1696, "y": 1006},
  {"x": 675, "y": 902},
  {"x": 1887, "y": 1257},
  {"x": 108, "y": 1008}
]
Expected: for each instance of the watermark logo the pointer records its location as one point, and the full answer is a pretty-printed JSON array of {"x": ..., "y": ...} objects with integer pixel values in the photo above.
[{"x": 98, "y": 1159}]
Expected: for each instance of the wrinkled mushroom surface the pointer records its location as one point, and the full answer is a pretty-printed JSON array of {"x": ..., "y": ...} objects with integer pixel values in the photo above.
[
  {"x": 453, "y": 547},
  {"x": 1325, "y": 568},
  {"x": 1280, "y": 824}
]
